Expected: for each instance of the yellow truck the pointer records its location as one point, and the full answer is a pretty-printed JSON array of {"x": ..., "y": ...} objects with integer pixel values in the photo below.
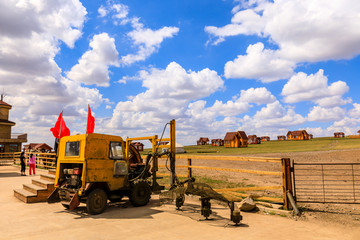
[{"x": 94, "y": 168}]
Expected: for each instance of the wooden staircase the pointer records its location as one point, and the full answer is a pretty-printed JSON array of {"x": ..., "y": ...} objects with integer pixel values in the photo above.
[{"x": 38, "y": 190}]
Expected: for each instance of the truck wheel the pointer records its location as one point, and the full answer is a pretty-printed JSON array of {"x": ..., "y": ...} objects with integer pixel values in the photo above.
[
  {"x": 96, "y": 201},
  {"x": 140, "y": 193}
]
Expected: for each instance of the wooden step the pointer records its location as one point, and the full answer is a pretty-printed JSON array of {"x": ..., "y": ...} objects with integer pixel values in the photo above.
[
  {"x": 44, "y": 183},
  {"x": 25, "y": 196},
  {"x": 48, "y": 177},
  {"x": 41, "y": 193},
  {"x": 52, "y": 171},
  {"x": 34, "y": 188}
]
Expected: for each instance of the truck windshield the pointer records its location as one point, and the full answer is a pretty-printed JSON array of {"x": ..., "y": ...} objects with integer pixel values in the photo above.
[
  {"x": 116, "y": 150},
  {"x": 72, "y": 148}
]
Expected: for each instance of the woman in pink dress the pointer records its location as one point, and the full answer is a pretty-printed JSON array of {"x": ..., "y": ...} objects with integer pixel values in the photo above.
[{"x": 32, "y": 162}]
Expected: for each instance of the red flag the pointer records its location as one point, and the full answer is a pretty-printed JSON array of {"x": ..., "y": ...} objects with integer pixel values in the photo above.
[
  {"x": 90, "y": 122},
  {"x": 60, "y": 130}
]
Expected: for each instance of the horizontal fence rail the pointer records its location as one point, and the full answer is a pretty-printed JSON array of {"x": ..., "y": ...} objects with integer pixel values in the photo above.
[
  {"x": 43, "y": 160},
  {"x": 227, "y": 158},
  {"x": 47, "y": 161},
  {"x": 327, "y": 182},
  {"x": 234, "y": 192}
]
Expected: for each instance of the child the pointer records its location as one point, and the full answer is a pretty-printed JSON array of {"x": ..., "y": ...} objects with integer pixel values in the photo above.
[
  {"x": 32, "y": 162},
  {"x": 22, "y": 162}
]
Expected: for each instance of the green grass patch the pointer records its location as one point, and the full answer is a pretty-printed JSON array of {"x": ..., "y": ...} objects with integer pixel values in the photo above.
[{"x": 316, "y": 144}]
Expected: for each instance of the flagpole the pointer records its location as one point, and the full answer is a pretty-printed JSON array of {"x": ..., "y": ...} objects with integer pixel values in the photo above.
[
  {"x": 61, "y": 123},
  {"x": 87, "y": 122}
]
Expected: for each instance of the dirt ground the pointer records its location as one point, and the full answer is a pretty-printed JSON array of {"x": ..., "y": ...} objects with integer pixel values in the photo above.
[
  {"x": 343, "y": 214},
  {"x": 43, "y": 221}
]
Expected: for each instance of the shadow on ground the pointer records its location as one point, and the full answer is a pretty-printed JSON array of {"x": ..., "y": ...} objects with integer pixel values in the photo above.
[
  {"x": 120, "y": 210},
  {"x": 9, "y": 174},
  {"x": 124, "y": 210},
  {"x": 193, "y": 211}
]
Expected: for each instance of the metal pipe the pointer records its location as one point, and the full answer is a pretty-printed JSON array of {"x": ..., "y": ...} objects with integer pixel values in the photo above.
[{"x": 292, "y": 202}]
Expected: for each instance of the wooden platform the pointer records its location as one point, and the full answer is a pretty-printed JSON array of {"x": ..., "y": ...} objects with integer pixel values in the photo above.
[{"x": 38, "y": 190}]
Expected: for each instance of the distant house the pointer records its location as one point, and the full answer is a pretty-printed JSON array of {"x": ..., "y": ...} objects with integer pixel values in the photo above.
[
  {"x": 217, "y": 142},
  {"x": 311, "y": 136},
  {"x": 339, "y": 134},
  {"x": 37, "y": 147},
  {"x": 265, "y": 138},
  {"x": 138, "y": 145},
  {"x": 236, "y": 139},
  {"x": 355, "y": 136},
  {"x": 281, "y": 138},
  {"x": 297, "y": 135},
  {"x": 253, "y": 139},
  {"x": 203, "y": 141}
]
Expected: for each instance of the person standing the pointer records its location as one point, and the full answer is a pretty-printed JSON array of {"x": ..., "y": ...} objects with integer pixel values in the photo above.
[
  {"x": 32, "y": 162},
  {"x": 22, "y": 162}
]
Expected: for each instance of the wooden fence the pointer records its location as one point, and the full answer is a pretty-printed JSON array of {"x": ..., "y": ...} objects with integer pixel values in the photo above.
[
  {"x": 43, "y": 160},
  {"x": 47, "y": 161},
  {"x": 284, "y": 175}
]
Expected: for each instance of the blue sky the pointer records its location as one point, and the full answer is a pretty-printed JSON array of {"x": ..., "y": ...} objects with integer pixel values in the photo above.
[{"x": 264, "y": 67}]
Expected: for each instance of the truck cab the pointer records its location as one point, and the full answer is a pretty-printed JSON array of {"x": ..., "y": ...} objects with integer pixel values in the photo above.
[{"x": 93, "y": 168}]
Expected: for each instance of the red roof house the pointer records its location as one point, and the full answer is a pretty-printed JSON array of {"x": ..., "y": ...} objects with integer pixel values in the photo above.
[
  {"x": 203, "y": 141},
  {"x": 253, "y": 139},
  {"x": 281, "y": 138},
  {"x": 297, "y": 135},
  {"x": 265, "y": 138},
  {"x": 217, "y": 142},
  {"x": 236, "y": 139}
]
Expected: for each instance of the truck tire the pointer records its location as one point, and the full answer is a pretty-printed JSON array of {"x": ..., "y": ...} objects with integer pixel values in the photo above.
[
  {"x": 96, "y": 201},
  {"x": 140, "y": 193}
]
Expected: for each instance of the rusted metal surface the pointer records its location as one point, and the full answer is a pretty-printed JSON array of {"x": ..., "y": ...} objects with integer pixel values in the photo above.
[
  {"x": 327, "y": 182},
  {"x": 74, "y": 202}
]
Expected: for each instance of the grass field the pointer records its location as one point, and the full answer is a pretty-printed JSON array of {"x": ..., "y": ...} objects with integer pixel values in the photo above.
[{"x": 316, "y": 144}]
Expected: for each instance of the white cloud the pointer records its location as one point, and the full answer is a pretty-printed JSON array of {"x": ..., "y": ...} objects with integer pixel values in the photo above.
[
  {"x": 314, "y": 87},
  {"x": 321, "y": 114},
  {"x": 102, "y": 11},
  {"x": 257, "y": 95},
  {"x": 93, "y": 66},
  {"x": 246, "y": 22},
  {"x": 241, "y": 104},
  {"x": 176, "y": 82},
  {"x": 121, "y": 10},
  {"x": 230, "y": 108},
  {"x": 275, "y": 115},
  {"x": 355, "y": 112},
  {"x": 332, "y": 101},
  {"x": 148, "y": 41},
  {"x": 349, "y": 126},
  {"x": 168, "y": 93},
  {"x": 31, "y": 33},
  {"x": 259, "y": 63},
  {"x": 303, "y": 29}
]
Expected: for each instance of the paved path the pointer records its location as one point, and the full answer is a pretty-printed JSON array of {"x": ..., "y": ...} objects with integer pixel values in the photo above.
[{"x": 50, "y": 221}]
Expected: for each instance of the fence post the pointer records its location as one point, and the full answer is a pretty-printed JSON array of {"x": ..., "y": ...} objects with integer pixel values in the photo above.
[
  {"x": 189, "y": 168},
  {"x": 287, "y": 185}
]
